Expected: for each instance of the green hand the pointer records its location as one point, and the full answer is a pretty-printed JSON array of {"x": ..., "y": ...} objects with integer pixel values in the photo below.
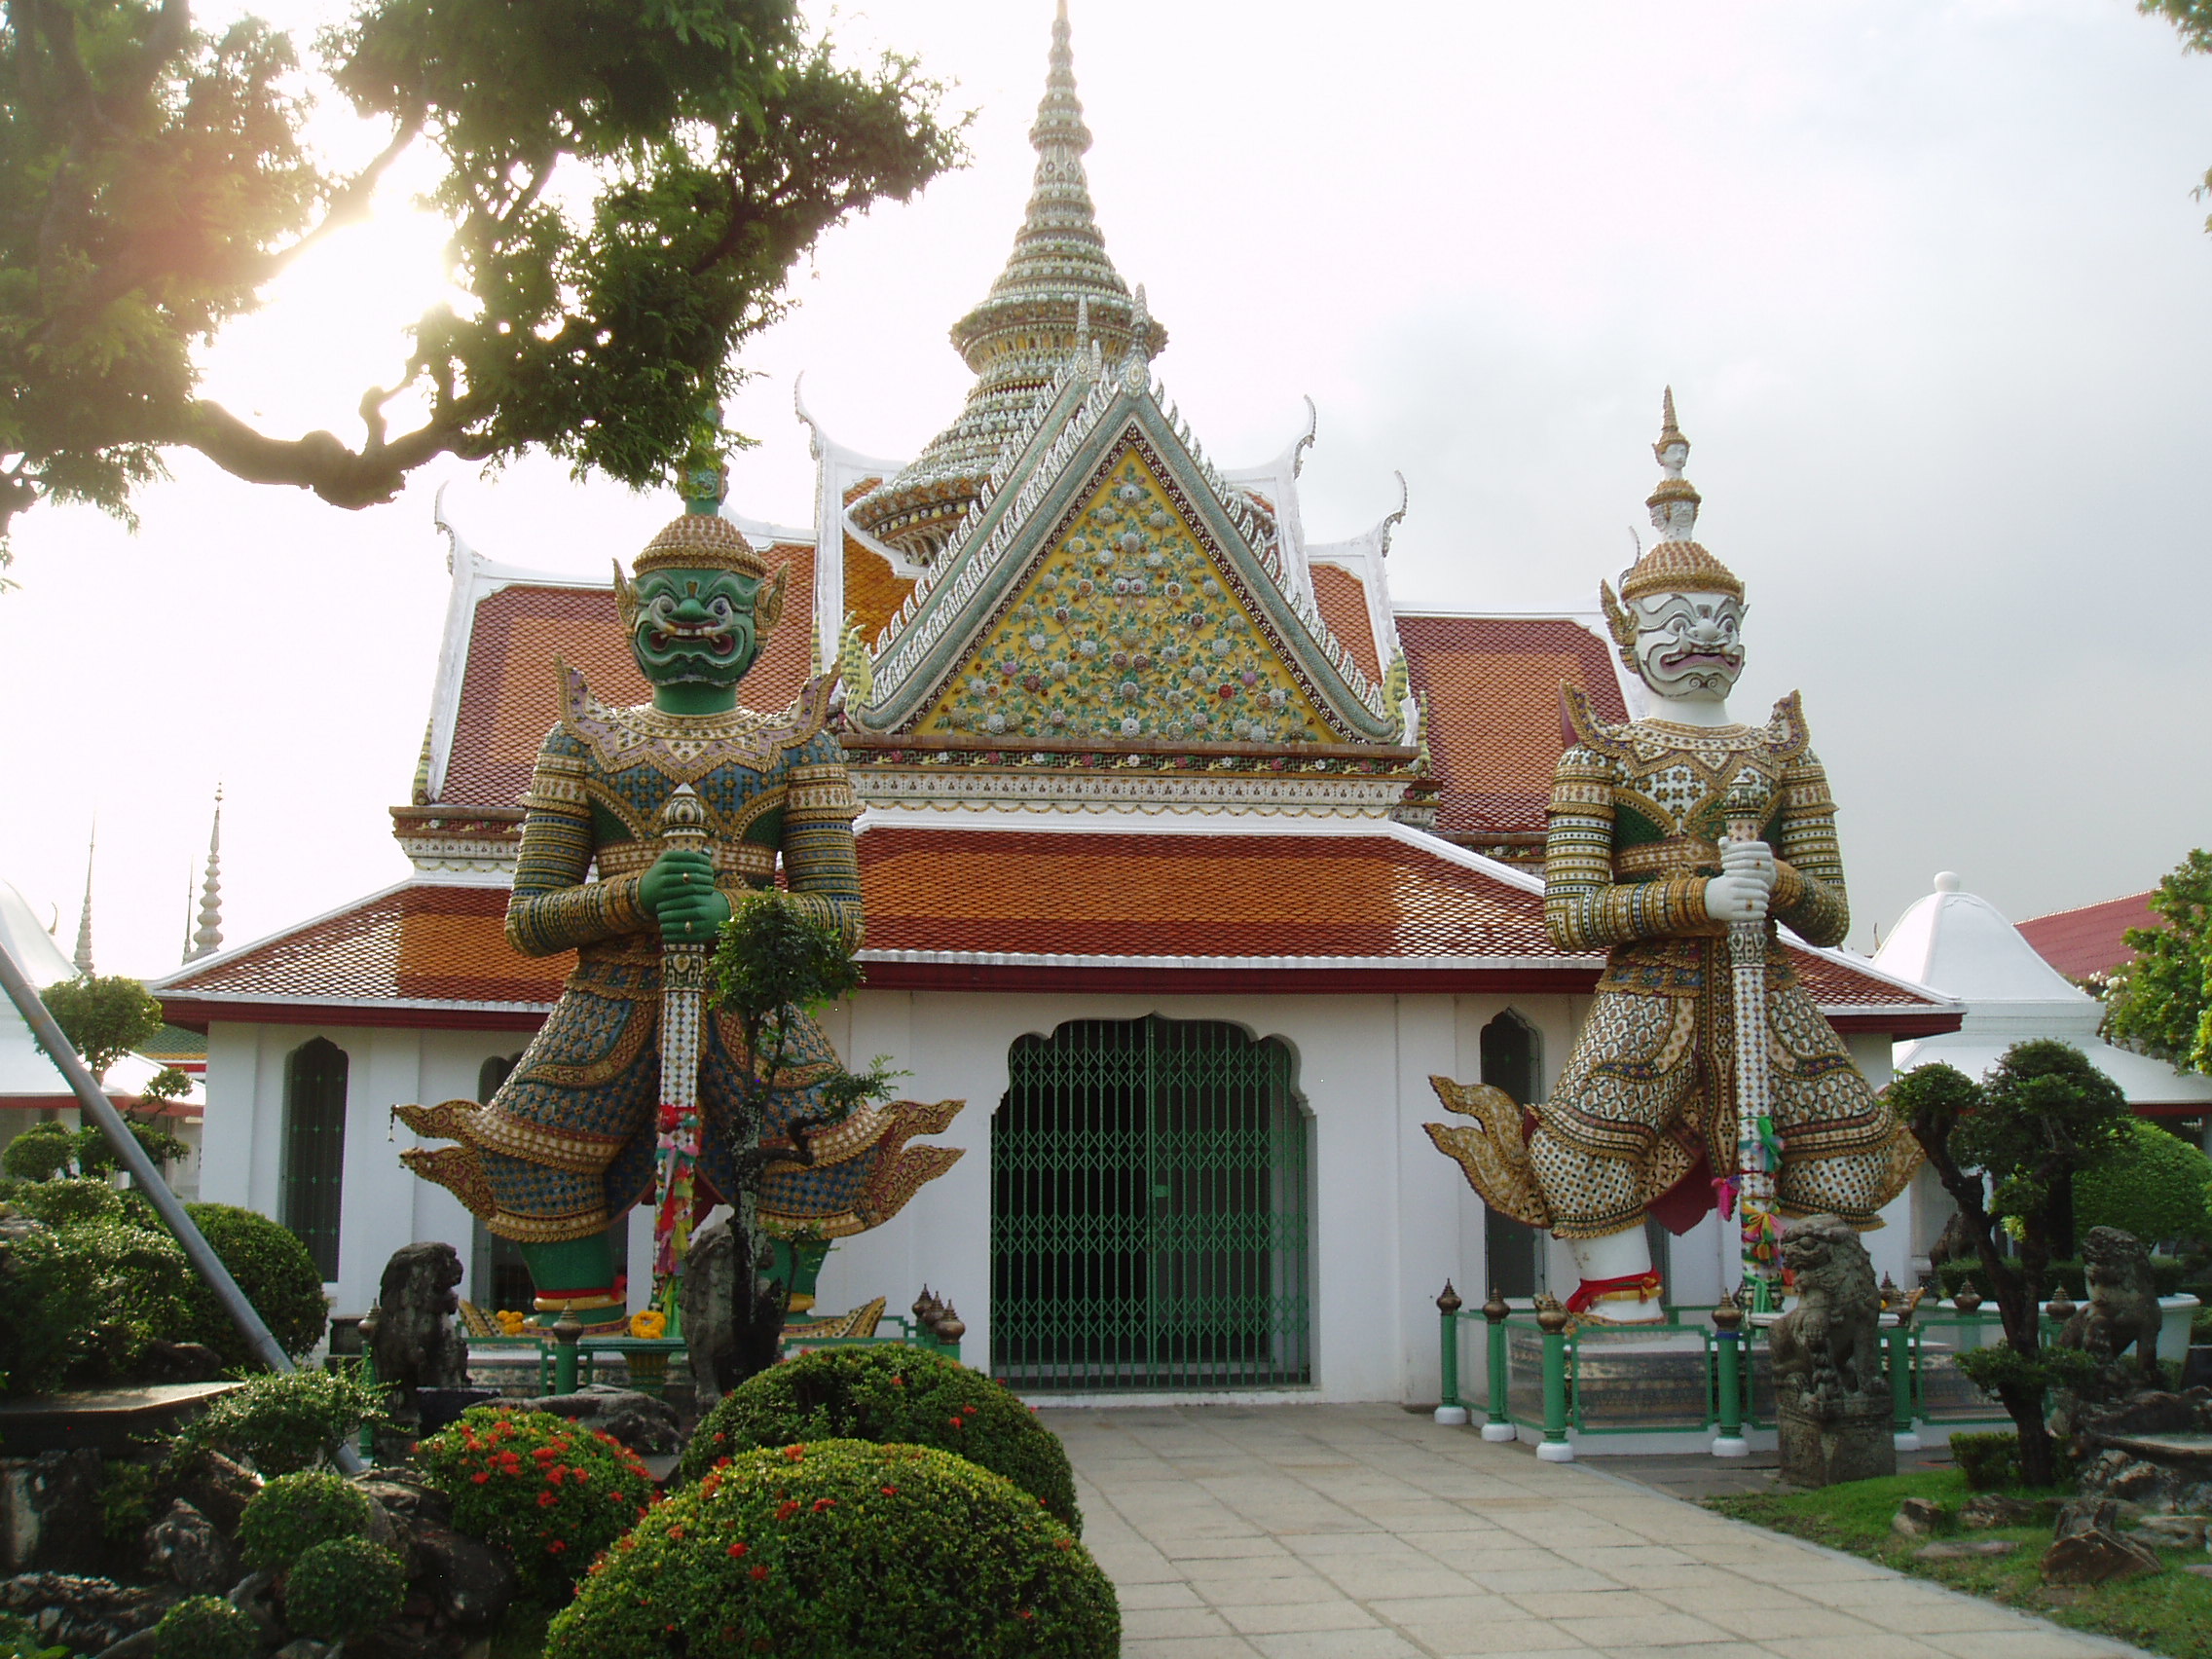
[{"x": 679, "y": 892}]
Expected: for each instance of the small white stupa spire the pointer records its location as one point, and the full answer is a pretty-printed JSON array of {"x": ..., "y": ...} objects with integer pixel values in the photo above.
[
  {"x": 84, "y": 953},
  {"x": 207, "y": 938}
]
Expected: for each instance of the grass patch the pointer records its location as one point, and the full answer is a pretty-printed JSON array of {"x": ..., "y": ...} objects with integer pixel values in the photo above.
[{"x": 2168, "y": 1613}]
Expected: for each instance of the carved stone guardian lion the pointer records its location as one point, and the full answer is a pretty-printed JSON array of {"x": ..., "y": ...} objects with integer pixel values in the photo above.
[{"x": 1831, "y": 1394}]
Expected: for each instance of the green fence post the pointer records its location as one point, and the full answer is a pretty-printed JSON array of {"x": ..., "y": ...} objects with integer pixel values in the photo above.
[
  {"x": 1501, "y": 1424},
  {"x": 1728, "y": 1383},
  {"x": 1899, "y": 1340},
  {"x": 1554, "y": 1447},
  {"x": 1451, "y": 1411},
  {"x": 566, "y": 1331}
]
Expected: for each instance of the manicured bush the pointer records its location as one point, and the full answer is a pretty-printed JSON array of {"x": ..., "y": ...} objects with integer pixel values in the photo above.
[
  {"x": 293, "y": 1513},
  {"x": 2063, "y": 1277},
  {"x": 554, "y": 1493},
  {"x": 1990, "y": 1462},
  {"x": 45, "y": 1288},
  {"x": 40, "y": 1153},
  {"x": 843, "y": 1549},
  {"x": 140, "y": 1292},
  {"x": 2153, "y": 1186},
  {"x": 205, "y": 1627},
  {"x": 275, "y": 1271},
  {"x": 74, "y": 1198},
  {"x": 887, "y": 1393},
  {"x": 343, "y": 1588},
  {"x": 282, "y": 1423}
]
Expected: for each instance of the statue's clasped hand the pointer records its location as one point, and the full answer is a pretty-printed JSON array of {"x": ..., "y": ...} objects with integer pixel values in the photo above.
[
  {"x": 1745, "y": 886},
  {"x": 680, "y": 891}
]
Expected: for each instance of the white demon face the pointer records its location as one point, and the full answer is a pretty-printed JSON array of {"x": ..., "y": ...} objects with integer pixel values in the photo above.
[{"x": 1688, "y": 644}]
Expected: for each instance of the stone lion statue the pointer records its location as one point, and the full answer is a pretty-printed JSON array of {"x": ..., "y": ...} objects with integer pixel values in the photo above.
[
  {"x": 417, "y": 1344},
  {"x": 1829, "y": 1347},
  {"x": 2124, "y": 1301}
]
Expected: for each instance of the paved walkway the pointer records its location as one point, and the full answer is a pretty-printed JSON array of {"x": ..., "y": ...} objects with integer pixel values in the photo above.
[{"x": 1367, "y": 1532}]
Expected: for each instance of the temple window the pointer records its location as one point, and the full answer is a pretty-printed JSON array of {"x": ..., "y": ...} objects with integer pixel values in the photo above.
[{"x": 315, "y": 1148}]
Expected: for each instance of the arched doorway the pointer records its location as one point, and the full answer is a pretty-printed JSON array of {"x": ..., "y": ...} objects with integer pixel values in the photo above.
[
  {"x": 1513, "y": 1251},
  {"x": 310, "y": 1202},
  {"x": 1150, "y": 1210}
]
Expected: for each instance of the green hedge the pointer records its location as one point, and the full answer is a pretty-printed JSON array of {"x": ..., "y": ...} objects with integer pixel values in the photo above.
[
  {"x": 2064, "y": 1277},
  {"x": 885, "y": 1393},
  {"x": 294, "y": 1513},
  {"x": 843, "y": 1549}
]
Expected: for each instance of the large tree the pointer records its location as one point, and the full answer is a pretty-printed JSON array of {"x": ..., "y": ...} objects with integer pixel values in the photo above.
[
  {"x": 2161, "y": 1002},
  {"x": 627, "y": 182}
]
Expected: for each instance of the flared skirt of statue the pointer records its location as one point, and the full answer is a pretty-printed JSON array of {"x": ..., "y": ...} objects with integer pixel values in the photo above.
[{"x": 565, "y": 1145}]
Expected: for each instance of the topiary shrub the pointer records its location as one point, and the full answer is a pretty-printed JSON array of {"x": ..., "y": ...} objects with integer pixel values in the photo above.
[
  {"x": 885, "y": 1393},
  {"x": 343, "y": 1588},
  {"x": 2154, "y": 1185},
  {"x": 282, "y": 1423},
  {"x": 40, "y": 1153},
  {"x": 552, "y": 1491},
  {"x": 45, "y": 1287},
  {"x": 844, "y": 1549},
  {"x": 275, "y": 1271},
  {"x": 293, "y": 1513},
  {"x": 2063, "y": 1277},
  {"x": 1990, "y": 1462},
  {"x": 58, "y": 1203},
  {"x": 205, "y": 1627},
  {"x": 140, "y": 1291}
]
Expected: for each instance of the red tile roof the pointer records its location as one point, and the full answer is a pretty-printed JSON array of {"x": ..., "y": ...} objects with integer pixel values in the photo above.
[
  {"x": 1495, "y": 733},
  {"x": 2087, "y": 940},
  {"x": 1342, "y": 598},
  {"x": 873, "y": 591},
  {"x": 509, "y": 699},
  {"x": 1019, "y": 909}
]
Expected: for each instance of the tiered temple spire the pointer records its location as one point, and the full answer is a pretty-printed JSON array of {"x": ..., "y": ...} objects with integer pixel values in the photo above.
[
  {"x": 1059, "y": 293},
  {"x": 209, "y": 938},
  {"x": 84, "y": 953}
]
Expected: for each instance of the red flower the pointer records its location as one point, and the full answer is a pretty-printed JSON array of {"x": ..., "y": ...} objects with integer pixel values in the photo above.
[
  {"x": 676, "y": 1535},
  {"x": 721, "y": 1462},
  {"x": 957, "y": 1423},
  {"x": 556, "y": 1546},
  {"x": 760, "y": 1573},
  {"x": 898, "y": 1382},
  {"x": 739, "y": 1548},
  {"x": 795, "y": 1454},
  {"x": 888, "y": 1491},
  {"x": 787, "y": 1509},
  {"x": 480, "y": 1477},
  {"x": 821, "y": 1503},
  {"x": 548, "y": 1499}
]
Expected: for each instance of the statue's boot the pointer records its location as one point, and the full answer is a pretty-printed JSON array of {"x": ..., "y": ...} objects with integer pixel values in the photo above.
[
  {"x": 1619, "y": 1284},
  {"x": 576, "y": 1275}
]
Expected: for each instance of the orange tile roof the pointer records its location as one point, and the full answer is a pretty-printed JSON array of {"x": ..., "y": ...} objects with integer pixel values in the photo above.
[
  {"x": 2087, "y": 940},
  {"x": 1495, "y": 732},
  {"x": 1342, "y": 598},
  {"x": 1217, "y": 895},
  {"x": 1016, "y": 910},
  {"x": 509, "y": 699},
  {"x": 873, "y": 592}
]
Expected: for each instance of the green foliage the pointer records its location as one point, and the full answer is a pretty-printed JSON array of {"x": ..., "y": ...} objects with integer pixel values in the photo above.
[
  {"x": 20, "y": 1640},
  {"x": 2063, "y": 1277},
  {"x": 553, "y": 1492},
  {"x": 843, "y": 1549},
  {"x": 2159, "y": 1002},
  {"x": 127, "y": 1500},
  {"x": 1990, "y": 1462},
  {"x": 278, "y": 1275},
  {"x": 44, "y": 1288},
  {"x": 293, "y": 1513},
  {"x": 2155, "y": 1186},
  {"x": 343, "y": 1588},
  {"x": 769, "y": 957},
  {"x": 2046, "y": 1112},
  {"x": 281, "y": 1422},
  {"x": 890, "y": 1393},
  {"x": 626, "y": 185},
  {"x": 205, "y": 1627},
  {"x": 2001, "y": 1366},
  {"x": 40, "y": 1153},
  {"x": 96, "y": 1154},
  {"x": 68, "y": 1200},
  {"x": 105, "y": 1016}
]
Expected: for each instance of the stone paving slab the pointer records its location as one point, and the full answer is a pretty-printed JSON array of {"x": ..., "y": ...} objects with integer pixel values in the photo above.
[{"x": 1367, "y": 1532}]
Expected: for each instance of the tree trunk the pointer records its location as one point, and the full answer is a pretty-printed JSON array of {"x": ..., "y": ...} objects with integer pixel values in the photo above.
[
  {"x": 2039, "y": 1465},
  {"x": 758, "y": 1319}
]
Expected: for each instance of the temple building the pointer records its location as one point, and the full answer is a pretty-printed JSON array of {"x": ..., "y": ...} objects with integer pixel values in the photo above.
[{"x": 1188, "y": 856}]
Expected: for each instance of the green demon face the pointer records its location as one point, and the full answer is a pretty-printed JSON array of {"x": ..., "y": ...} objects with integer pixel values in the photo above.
[{"x": 695, "y": 627}]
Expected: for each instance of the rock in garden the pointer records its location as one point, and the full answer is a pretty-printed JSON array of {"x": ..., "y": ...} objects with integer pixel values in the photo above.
[
  {"x": 50, "y": 1513},
  {"x": 1918, "y": 1517},
  {"x": 639, "y": 1422},
  {"x": 179, "y": 1362},
  {"x": 471, "y": 1582},
  {"x": 2087, "y": 1550},
  {"x": 1987, "y": 1509},
  {"x": 89, "y": 1614},
  {"x": 184, "y": 1547},
  {"x": 217, "y": 1487},
  {"x": 2173, "y": 1532},
  {"x": 1964, "y": 1549}
]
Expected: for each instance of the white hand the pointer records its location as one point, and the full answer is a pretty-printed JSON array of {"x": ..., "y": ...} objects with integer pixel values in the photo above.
[{"x": 1745, "y": 886}]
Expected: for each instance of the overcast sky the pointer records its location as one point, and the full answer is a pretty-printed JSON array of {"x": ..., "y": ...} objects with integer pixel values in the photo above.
[{"x": 1927, "y": 278}]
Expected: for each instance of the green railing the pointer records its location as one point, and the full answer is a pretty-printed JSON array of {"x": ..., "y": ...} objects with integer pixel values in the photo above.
[{"x": 1698, "y": 1370}]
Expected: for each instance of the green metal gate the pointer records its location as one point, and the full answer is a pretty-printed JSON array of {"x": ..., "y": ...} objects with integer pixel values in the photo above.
[{"x": 1149, "y": 1211}]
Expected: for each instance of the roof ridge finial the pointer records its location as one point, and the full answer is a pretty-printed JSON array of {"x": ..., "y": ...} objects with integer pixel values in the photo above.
[
  {"x": 1674, "y": 502},
  {"x": 83, "y": 955},
  {"x": 209, "y": 938}
]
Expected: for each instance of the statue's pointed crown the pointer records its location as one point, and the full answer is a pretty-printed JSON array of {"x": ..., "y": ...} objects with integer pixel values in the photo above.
[
  {"x": 700, "y": 541},
  {"x": 1675, "y": 563}
]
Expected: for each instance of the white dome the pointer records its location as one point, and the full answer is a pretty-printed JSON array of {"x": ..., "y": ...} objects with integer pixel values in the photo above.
[
  {"x": 31, "y": 945},
  {"x": 1961, "y": 946}
]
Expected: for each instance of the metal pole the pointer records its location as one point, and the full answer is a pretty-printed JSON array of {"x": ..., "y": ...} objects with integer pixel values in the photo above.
[
  {"x": 1728, "y": 1356},
  {"x": 1450, "y": 1411},
  {"x": 1501, "y": 1424},
  {"x": 204, "y": 1262},
  {"x": 1553, "y": 1448}
]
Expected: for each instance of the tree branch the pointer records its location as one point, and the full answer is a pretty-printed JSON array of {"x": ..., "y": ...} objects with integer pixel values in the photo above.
[
  {"x": 349, "y": 203},
  {"x": 318, "y": 460}
]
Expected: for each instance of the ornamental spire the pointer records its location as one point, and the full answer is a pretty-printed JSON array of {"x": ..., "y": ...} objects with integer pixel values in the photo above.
[
  {"x": 1675, "y": 563},
  {"x": 1673, "y": 503},
  {"x": 209, "y": 938},
  {"x": 84, "y": 955}
]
